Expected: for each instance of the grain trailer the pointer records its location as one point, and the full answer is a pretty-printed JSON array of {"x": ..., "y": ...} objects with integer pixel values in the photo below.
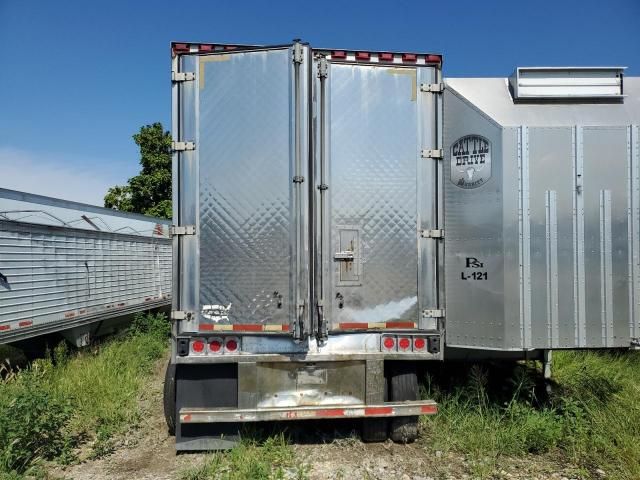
[{"x": 77, "y": 269}]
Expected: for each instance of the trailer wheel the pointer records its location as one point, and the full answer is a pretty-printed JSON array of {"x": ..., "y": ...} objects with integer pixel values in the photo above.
[
  {"x": 404, "y": 386},
  {"x": 376, "y": 429},
  {"x": 170, "y": 398}
]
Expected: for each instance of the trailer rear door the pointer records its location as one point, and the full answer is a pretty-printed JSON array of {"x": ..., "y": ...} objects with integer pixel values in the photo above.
[
  {"x": 246, "y": 267},
  {"x": 379, "y": 192}
]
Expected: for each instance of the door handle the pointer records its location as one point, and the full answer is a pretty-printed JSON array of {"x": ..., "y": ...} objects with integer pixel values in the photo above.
[{"x": 344, "y": 256}]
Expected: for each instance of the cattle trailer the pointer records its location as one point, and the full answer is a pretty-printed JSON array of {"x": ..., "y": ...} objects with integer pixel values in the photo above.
[{"x": 342, "y": 215}]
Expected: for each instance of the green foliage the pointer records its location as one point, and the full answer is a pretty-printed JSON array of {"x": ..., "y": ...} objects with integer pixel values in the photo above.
[
  {"x": 155, "y": 324},
  {"x": 150, "y": 191},
  {"x": 591, "y": 416},
  {"x": 251, "y": 460},
  {"x": 33, "y": 424},
  {"x": 92, "y": 394},
  {"x": 598, "y": 396}
]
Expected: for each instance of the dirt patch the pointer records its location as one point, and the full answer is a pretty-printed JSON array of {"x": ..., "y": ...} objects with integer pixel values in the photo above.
[{"x": 356, "y": 460}]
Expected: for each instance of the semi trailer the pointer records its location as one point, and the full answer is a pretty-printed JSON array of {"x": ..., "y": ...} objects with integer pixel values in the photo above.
[
  {"x": 342, "y": 215},
  {"x": 76, "y": 270}
]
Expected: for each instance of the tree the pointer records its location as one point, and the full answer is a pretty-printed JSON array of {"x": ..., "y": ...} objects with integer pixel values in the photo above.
[{"x": 150, "y": 191}]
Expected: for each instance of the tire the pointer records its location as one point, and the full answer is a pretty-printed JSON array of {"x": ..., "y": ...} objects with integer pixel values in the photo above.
[
  {"x": 169, "y": 398},
  {"x": 404, "y": 386},
  {"x": 376, "y": 429}
]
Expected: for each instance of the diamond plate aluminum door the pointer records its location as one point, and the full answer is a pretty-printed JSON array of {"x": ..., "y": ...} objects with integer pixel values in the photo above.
[
  {"x": 251, "y": 139},
  {"x": 380, "y": 193}
]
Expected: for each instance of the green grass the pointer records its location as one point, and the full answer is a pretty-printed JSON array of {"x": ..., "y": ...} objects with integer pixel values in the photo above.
[
  {"x": 55, "y": 403},
  {"x": 591, "y": 418},
  {"x": 252, "y": 459}
]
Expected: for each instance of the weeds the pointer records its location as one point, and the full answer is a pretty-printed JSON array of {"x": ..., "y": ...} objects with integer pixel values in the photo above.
[
  {"x": 272, "y": 458},
  {"x": 155, "y": 324},
  {"x": 47, "y": 408},
  {"x": 591, "y": 416},
  {"x": 33, "y": 424}
]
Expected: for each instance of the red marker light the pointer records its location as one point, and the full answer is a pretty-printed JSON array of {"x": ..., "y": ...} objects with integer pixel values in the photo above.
[
  {"x": 419, "y": 343},
  {"x": 404, "y": 343},
  {"x": 215, "y": 346},
  {"x": 198, "y": 346},
  {"x": 231, "y": 345},
  {"x": 388, "y": 343}
]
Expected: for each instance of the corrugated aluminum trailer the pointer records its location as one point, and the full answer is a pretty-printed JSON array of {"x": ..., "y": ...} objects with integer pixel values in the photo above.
[
  {"x": 69, "y": 267},
  {"x": 306, "y": 257},
  {"x": 334, "y": 228}
]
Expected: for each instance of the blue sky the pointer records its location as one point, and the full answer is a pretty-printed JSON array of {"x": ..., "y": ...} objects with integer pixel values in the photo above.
[{"x": 78, "y": 78}]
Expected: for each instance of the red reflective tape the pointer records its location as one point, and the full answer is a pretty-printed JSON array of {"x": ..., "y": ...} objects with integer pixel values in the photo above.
[
  {"x": 363, "y": 55},
  {"x": 5, "y": 327},
  {"x": 69, "y": 315},
  {"x": 429, "y": 409},
  {"x": 205, "y": 327},
  {"x": 180, "y": 47},
  {"x": 147, "y": 299},
  {"x": 385, "y": 57},
  {"x": 230, "y": 47},
  {"x": 82, "y": 312},
  {"x": 334, "y": 412},
  {"x": 409, "y": 57},
  {"x": 121, "y": 304},
  {"x": 25, "y": 323},
  {"x": 400, "y": 325},
  {"x": 339, "y": 54},
  {"x": 353, "y": 325},
  {"x": 186, "y": 418},
  {"x": 433, "y": 58},
  {"x": 378, "y": 410},
  {"x": 248, "y": 328},
  {"x": 205, "y": 48}
]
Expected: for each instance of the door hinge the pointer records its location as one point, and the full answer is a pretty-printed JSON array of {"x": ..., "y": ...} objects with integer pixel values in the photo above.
[
  {"x": 432, "y": 87},
  {"x": 182, "y": 76},
  {"x": 182, "y": 146},
  {"x": 297, "y": 53},
  {"x": 436, "y": 153},
  {"x": 182, "y": 315},
  {"x": 433, "y": 313},
  {"x": 437, "y": 233},
  {"x": 323, "y": 67},
  {"x": 298, "y": 179},
  {"x": 182, "y": 230}
]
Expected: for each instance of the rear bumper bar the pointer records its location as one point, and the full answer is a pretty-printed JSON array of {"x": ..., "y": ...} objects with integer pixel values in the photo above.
[{"x": 215, "y": 415}]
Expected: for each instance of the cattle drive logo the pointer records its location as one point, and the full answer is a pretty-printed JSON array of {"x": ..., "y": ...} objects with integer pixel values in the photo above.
[{"x": 471, "y": 161}]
